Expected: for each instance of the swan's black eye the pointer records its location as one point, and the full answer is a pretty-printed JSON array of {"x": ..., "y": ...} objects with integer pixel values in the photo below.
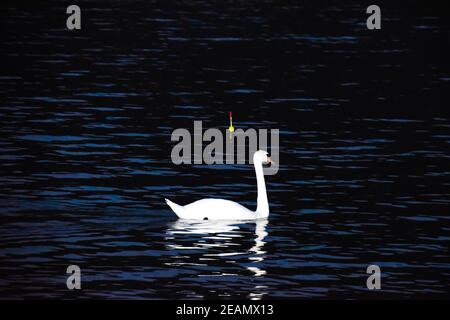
[{"x": 205, "y": 218}]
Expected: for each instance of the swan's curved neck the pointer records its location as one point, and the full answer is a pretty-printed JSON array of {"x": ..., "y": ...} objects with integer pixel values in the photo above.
[{"x": 262, "y": 209}]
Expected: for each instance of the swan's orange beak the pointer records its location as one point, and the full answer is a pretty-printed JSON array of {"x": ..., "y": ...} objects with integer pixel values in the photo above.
[{"x": 269, "y": 160}]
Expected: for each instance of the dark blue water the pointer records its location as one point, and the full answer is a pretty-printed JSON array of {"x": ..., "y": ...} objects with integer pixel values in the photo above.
[{"x": 85, "y": 124}]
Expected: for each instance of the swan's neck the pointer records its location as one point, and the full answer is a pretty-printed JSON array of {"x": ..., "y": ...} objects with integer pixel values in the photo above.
[{"x": 262, "y": 209}]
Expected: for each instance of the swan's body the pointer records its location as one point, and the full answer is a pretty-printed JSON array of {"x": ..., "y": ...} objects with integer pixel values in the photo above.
[
  {"x": 212, "y": 209},
  {"x": 221, "y": 209}
]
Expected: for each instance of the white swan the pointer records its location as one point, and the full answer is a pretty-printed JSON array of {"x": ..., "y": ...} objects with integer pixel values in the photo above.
[{"x": 220, "y": 209}]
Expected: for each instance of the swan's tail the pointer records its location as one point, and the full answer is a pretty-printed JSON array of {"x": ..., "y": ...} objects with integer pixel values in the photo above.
[{"x": 179, "y": 210}]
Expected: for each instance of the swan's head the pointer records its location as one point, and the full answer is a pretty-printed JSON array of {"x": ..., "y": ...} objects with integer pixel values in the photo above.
[{"x": 261, "y": 156}]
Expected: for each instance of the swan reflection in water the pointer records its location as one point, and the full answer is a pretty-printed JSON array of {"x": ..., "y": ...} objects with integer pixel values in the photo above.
[{"x": 218, "y": 248}]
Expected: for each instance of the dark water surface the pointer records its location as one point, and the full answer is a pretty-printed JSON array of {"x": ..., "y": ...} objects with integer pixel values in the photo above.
[{"x": 85, "y": 125}]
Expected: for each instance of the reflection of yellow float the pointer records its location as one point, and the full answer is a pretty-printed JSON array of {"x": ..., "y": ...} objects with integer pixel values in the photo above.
[{"x": 231, "y": 128}]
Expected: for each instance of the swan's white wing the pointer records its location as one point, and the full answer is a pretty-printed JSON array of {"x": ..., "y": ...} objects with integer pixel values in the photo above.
[{"x": 217, "y": 209}]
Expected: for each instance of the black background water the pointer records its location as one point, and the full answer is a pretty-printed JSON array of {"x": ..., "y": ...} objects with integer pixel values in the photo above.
[{"x": 86, "y": 118}]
